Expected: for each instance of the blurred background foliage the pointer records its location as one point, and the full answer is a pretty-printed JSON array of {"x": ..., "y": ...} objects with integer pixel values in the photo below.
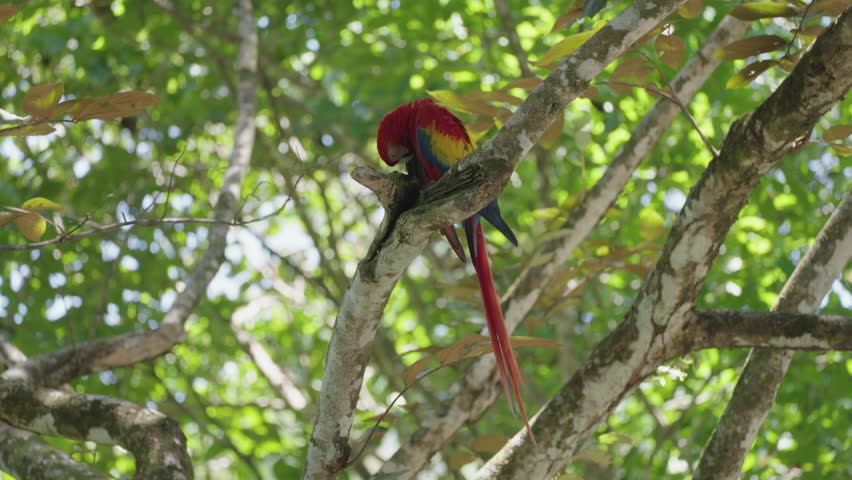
[{"x": 329, "y": 72}]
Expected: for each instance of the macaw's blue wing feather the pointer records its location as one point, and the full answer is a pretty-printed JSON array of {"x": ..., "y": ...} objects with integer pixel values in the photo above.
[{"x": 433, "y": 163}]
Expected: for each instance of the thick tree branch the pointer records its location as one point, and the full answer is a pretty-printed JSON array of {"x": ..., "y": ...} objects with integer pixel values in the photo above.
[
  {"x": 759, "y": 382},
  {"x": 55, "y": 368},
  {"x": 155, "y": 440},
  {"x": 770, "y": 330},
  {"x": 473, "y": 185},
  {"x": 477, "y": 390},
  {"x": 655, "y": 325},
  {"x": 26, "y": 456}
]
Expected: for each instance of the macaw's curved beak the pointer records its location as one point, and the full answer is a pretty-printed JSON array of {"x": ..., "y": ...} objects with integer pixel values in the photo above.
[{"x": 398, "y": 153}]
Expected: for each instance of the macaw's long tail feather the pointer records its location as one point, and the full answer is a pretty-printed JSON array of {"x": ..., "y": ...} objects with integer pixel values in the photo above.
[
  {"x": 510, "y": 374},
  {"x": 450, "y": 232},
  {"x": 491, "y": 212}
]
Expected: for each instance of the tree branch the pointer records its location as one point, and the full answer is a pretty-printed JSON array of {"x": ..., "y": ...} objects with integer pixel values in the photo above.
[
  {"x": 61, "y": 366},
  {"x": 477, "y": 390},
  {"x": 277, "y": 377},
  {"x": 155, "y": 440},
  {"x": 654, "y": 327},
  {"x": 770, "y": 330},
  {"x": 755, "y": 391},
  {"x": 505, "y": 16},
  {"x": 474, "y": 181},
  {"x": 24, "y": 455}
]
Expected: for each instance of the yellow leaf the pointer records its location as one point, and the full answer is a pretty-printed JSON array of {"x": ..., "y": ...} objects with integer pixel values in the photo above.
[
  {"x": 691, "y": 9},
  {"x": 758, "y": 10},
  {"x": 6, "y": 217},
  {"x": 7, "y": 12},
  {"x": 458, "y": 459},
  {"x": 27, "y": 130},
  {"x": 462, "y": 103},
  {"x": 837, "y": 132},
  {"x": 841, "y": 149},
  {"x": 31, "y": 225},
  {"x": 40, "y": 100},
  {"x": 566, "y": 19},
  {"x": 671, "y": 50},
  {"x": 567, "y": 45},
  {"x": 489, "y": 443},
  {"x": 750, "y": 72},
  {"x": 39, "y": 203},
  {"x": 651, "y": 225},
  {"x": 593, "y": 455},
  {"x": 527, "y": 83},
  {"x": 751, "y": 46},
  {"x": 412, "y": 372}
]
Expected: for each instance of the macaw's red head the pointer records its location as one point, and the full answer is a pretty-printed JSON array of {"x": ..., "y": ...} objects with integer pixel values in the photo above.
[{"x": 394, "y": 139}]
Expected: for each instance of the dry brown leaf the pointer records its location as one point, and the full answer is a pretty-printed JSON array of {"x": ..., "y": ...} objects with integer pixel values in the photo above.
[
  {"x": 671, "y": 50},
  {"x": 836, "y": 133},
  {"x": 691, "y": 9},
  {"x": 751, "y": 46},
  {"x": 458, "y": 459},
  {"x": 40, "y": 100},
  {"x": 552, "y": 133},
  {"x": 566, "y": 18},
  {"x": 527, "y": 83},
  {"x": 489, "y": 443},
  {"x": 758, "y": 10},
  {"x": 7, "y": 12},
  {"x": 413, "y": 371},
  {"x": 27, "y": 130}
]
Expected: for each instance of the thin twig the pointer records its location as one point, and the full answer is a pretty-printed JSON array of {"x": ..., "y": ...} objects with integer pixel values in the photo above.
[
  {"x": 132, "y": 223},
  {"x": 676, "y": 101}
]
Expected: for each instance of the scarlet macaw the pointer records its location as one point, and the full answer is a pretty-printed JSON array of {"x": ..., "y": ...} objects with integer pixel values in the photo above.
[{"x": 429, "y": 140}]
